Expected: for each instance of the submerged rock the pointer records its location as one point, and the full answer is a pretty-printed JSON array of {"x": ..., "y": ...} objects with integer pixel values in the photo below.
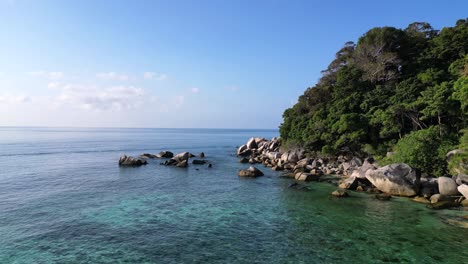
[
  {"x": 298, "y": 187},
  {"x": 383, "y": 197},
  {"x": 198, "y": 162},
  {"x": 396, "y": 179},
  {"x": 148, "y": 156},
  {"x": 340, "y": 193}
]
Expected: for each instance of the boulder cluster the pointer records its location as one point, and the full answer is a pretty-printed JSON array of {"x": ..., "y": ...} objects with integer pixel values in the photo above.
[
  {"x": 180, "y": 160},
  {"x": 356, "y": 174}
]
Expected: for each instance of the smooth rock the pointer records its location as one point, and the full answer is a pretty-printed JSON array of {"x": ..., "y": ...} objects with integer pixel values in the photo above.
[
  {"x": 181, "y": 156},
  {"x": 303, "y": 176},
  {"x": 252, "y": 144},
  {"x": 131, "y": 161},
  {"x": 395, "y": 179},
  {"x": 461, "y": 179},
  {"x": 250, "y": 172},
  {"x": 202, "y": 155},
  {"x": 447, "y": 186},
  {"x": 182, "y": 164},
  {"x": 165, "y": 154},
  {"x": 463, "y": 189}
]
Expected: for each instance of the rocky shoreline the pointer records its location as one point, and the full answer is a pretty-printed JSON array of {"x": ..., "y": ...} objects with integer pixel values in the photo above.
[
  {"x": 355, "y": 174},
  {"x": 348, "y": 173}
]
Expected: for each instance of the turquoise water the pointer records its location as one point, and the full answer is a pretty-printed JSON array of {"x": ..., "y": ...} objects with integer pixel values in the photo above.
[{"x": 63, "y": 199}]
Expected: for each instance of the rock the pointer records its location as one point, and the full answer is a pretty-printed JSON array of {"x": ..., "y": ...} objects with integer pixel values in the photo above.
[
  {"x": 464, "y": 203},
  {"x": 461, "y": 179},
  {"x": 290, "y": 156},
  {"x": 440, "y": 198},
  {"x": 202, "y": 155},
  {"x": 429, "y": 187},
  {"x": 131, "y": 161},
  {"x": 447, "y": 186},
  {"x": 165, "y": 154},
  {"x": 303, "y": 163},
  {"x": 210, "y": 165},
  {"x": 182, "y": 164},
  {"x": 442, "y": 205},
  {"x": 191, "y": 155},
  {"x": 250, "y": 172},
  {"x": 396, "y": 179},
  {"x": 420, "y": 199},
  {"x": 148, "y": 156},
  {"x": 361, "y": 171},
  {"x": 198, "y": 162},
  {"x": 302, "y": 176},
  {"x": 359, "y": 189},
  {"x": 340, "y": 193},
  {"x": 244, "y": 160},
  {"x": 298, "y": 186},
  {"x": 383, "y": 197},
  {"x": 252, "y": 144},
  {"x": 463, "y": 189},
  {"x": 350, "y": 183},
  {"x": 273, "y": 155},
  {"x": 454, "y": 152},
  {"x": 252, "y": 161},
  {"x": 181, "y": 156}
]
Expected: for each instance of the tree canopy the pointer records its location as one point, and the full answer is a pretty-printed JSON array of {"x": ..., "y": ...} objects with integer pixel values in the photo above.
[{"x": 393, "y": 90}]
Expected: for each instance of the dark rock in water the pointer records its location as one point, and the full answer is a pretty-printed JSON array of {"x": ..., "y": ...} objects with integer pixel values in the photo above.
[
  {"x": 340, "y": 193},
  {"x": 396, "y": 179},
  {"x": 250, "y": 172},
  {"x": 210, "y": 165},
  {"x": 165, "y": 154},
  {"x": 148, "y": 156},
  {"x": 299, "y": 187},
  {"x": 244, "y": 160},
  {"x": 442, "y": 205},
  {"x": 198, "y": 162},
  {"x": 131, "y": 161},
  {"x": 182, "y": 164},
  {"x": 182, "y": 156},
  {"x": 191, "y": 155},
  {"x": 383, "y": 197},
  {"x": 202, "y": 155}
]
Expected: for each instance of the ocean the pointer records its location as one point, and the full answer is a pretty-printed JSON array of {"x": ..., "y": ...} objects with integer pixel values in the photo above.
[{"x": 64, "y": 199}]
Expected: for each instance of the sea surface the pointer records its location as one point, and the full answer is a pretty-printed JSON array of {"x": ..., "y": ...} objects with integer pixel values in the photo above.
[{"x": 64, "y": 199}]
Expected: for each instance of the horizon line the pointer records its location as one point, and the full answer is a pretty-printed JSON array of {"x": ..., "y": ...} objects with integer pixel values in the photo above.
[{"x": 112, "y": 127}]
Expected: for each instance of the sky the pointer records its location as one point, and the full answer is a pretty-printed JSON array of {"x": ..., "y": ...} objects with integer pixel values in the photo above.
[{"x": 179, "y": 64}]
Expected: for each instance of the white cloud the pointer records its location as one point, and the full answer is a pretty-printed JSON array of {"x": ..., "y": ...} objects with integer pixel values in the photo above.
[
  {"x": 195, "y": 90},
  {"x": 112, "y": 76},
  {"x": 48, "y": 75},
  {"x": 155, "y": 76},
  {"x": 92, "y": 97}
]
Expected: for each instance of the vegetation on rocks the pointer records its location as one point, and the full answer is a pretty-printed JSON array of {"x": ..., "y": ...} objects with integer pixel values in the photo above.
[{"x": 395, "y": 90}]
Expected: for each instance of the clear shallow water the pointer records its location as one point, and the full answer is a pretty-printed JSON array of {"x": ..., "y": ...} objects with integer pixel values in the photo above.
[{"x": 63, "y": 199}]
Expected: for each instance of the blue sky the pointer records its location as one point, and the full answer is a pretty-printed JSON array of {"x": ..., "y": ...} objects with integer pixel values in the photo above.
[{"x": 211, "y": 64}]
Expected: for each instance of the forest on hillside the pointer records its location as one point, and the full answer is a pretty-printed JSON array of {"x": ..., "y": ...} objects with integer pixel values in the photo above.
[{"x": 403, "y": 91}]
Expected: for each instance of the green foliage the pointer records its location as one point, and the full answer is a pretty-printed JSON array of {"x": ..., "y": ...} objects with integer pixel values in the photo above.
[
  {"x": 391, "y": 84},
  {"x": 424, "y": 149},
  {"x": 459, "y": 162}
]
